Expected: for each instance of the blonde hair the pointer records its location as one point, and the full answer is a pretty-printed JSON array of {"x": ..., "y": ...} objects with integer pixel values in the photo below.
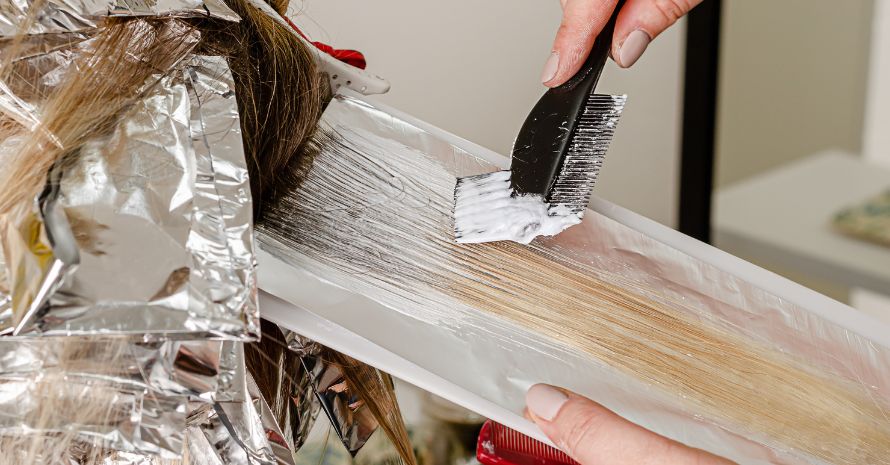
[{"x": 383, "y": 215}]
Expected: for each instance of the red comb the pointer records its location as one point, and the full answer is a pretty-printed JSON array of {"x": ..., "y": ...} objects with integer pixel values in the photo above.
[{"x": 499, "y": 445}]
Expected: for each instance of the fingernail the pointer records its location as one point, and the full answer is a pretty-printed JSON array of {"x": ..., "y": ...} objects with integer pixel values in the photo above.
[
  {"x": 632, "y": 48},
  {"x": 550, "y": 68},
  {"x": 545, "y": 401}
]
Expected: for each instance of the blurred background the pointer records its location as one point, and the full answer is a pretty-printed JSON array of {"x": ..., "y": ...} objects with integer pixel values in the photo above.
[
  {"x": 794, "y": 129},
  {"x": 761, "y": 126}
]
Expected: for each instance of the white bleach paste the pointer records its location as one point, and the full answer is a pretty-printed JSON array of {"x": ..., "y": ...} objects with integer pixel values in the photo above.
[{"x": 486, "y": 210}]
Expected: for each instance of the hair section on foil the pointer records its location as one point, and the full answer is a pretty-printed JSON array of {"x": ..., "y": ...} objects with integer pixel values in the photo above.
[{"x": 377, "y": 214}]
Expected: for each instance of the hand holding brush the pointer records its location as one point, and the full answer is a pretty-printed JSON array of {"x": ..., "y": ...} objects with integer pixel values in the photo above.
[{"x": 637, "y": 24}]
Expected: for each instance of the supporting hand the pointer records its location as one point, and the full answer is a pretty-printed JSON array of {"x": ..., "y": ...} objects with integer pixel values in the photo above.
[{"x": 594, "y": 435}]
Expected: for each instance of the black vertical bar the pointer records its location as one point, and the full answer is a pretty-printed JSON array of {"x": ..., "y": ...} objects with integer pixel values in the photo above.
[{"x": 699, "y": 120}]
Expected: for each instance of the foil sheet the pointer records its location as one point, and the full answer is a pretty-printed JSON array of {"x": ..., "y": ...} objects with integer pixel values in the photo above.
[
  {"x": 126, "y": 397},
  {"x": 301, "y": 404},
  {"x": 240, "y": 431},
  {"x": 353, "y": 424},
  {"x": 55, "y": 16},
  {"x": 166, "y": 190},
  {"x": 347, "y": 257}
]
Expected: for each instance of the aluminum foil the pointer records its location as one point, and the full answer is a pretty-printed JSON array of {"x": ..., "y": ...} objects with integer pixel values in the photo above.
[
  {"x": 302, "y": 403},
  {"x": 167, "y": 190},
  {"x": 127, "y": 397},
  {"x": 321, "y": 385},
  {"x": 236, "y": 432},
  {"x": 353, "y": 423},
  {"x": 356, "y": 258},
  {"x": 54, "y": 16},
  {"x": 301, "y": 345}
]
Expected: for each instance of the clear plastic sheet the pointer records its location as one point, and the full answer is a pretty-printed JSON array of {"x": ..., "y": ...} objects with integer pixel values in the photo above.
[
  {"x": 363, "y": 288},
  {"x": 56, "y": 16},
  {"x": 172, "y": 175}
]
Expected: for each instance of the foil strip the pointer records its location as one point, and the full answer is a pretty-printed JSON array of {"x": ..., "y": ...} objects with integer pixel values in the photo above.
[
  {"x": 54, "y": 16},
  {"x": 283, "y": 449},
  {"x": 241, "y": 431},
  {"x": 108, "y": 393},
  {"x": 187, "y": 368},
  {"x": 353, "y": 423},
  {"x": 173, "y": 175},
  {"x": 303, "y": 403}
]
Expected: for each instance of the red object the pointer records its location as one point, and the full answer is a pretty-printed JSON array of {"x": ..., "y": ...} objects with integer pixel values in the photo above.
[
  {"x": 499, "y": 445},
  {"x": 350, "y": 57}
]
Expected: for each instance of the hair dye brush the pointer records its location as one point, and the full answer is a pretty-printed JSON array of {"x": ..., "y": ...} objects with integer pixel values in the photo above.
[{"x": 556, "y": 158}]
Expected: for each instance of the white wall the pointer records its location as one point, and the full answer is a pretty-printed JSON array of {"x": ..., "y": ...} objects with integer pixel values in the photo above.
[
  {"x": 473, "y": 67},
  {"x": 792, "y": 82},
  {"x": 876, "y": 135}
]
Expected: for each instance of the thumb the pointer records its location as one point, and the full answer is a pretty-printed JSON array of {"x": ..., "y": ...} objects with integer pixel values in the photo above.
[
  {"x": 640, "y": 21},
  {"x": 593, "y": 435},
  {"x": 582, "y": 21}
]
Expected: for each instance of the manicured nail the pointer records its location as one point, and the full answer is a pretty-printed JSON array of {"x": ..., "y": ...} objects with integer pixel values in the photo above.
[
  {"x": 544, "y": 401},
  {"x": 632, "y": 48},
  {"x": 550, "y": 68}
]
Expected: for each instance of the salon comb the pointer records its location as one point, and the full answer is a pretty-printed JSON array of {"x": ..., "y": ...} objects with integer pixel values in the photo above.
[
  {"x": 556, "y": 159},
  {"x": 500, "y": 445}
]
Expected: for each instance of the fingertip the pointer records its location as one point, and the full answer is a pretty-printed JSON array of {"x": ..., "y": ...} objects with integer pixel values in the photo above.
[
  {"x": 551, "y": 68},
  {"x": 633, "y": 47},
  {"x": 545, "y": 401}
]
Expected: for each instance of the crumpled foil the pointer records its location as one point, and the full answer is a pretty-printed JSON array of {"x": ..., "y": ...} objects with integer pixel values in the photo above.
[
  {"x": 53, "y": 16},
  {"x": 353, "y": 423},
  {"x": 151, "y": 381},
  {"x": 167, "y": 190},
  {"x": 61, "y": 386},
  {"x": 321, "y": 385},
  {"x": 146, "y": 233},
  {"x": 301, "y": 405},
  {"x": 301, "y": 345},
  {"x": 241, "y": 430},
  {"x": 152, "y": 397}
]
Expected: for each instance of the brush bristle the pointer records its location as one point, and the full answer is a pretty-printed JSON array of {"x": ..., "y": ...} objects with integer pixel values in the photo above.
[
  {"x": 587, "y": 150},
  {"x": 487, "y": 209}
]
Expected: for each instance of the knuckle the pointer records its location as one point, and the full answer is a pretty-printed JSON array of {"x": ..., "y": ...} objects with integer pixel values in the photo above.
[
  {"x": 580, "y": 432},
  {"x": 671, "y": 10}
]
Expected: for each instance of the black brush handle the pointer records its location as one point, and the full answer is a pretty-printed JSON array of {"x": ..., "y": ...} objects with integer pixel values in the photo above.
[{"x": 543, "y": 141}]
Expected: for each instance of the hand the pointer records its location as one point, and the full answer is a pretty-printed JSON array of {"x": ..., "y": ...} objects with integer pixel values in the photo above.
[
  {"x": 638, "y": 23},
  {"x": 594, "y": 435}
]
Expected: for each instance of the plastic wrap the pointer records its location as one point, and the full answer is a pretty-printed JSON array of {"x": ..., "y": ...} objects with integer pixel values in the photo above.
[{"x": 403, "y": 301}]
